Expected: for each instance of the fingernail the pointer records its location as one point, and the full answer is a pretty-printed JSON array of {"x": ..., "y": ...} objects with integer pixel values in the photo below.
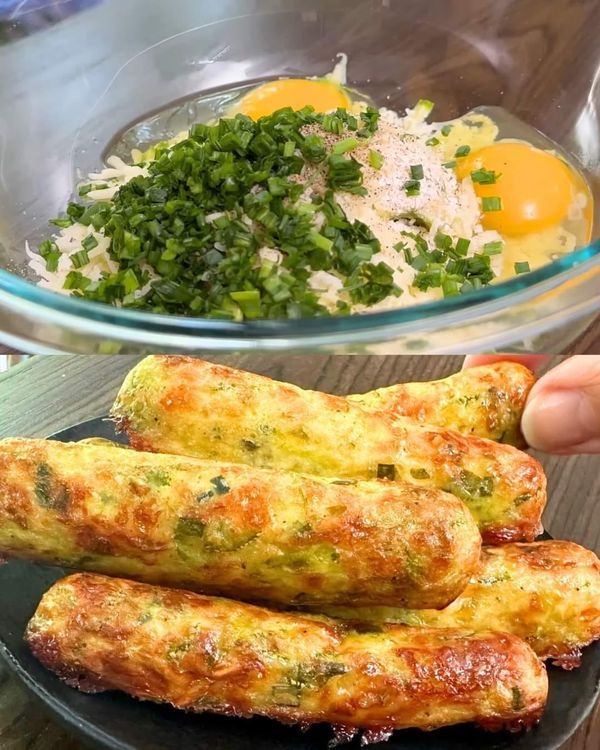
[{"x": 560, "y": 419}]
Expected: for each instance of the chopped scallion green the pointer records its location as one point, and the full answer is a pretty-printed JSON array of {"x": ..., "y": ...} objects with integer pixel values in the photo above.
[
  {"x": 491, "y": 203},
  {"x": 522, "y": 267},
  {"x": 80, "y": 259},
  {"x": 62, "y": 223},
  {"x": 342, "y": 147},
  {"x": 412, "y": 187},
  {"x": 493, "y": 248},
  {"x": 462, "y": 246},
  {"x": 376, "y": 159},
  {"x": 249, "y": 302},
  {"x": 416, "y": 172},
  {"x": 484, "y": 176},
  {"x": 89, "y": 243},
  {"x": 323, "y": 243}
]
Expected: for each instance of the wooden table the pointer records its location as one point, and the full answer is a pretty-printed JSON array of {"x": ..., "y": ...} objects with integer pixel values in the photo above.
[{"x": 46, "y": 394}]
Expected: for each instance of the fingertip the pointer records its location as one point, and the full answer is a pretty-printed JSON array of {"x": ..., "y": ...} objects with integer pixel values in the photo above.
[{"x": 561, "y": 421}]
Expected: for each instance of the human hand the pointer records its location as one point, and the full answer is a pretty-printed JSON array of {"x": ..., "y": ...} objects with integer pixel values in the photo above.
[{"x": 562, "y": 413}]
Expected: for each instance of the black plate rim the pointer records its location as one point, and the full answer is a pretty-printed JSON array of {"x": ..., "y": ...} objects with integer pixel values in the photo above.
[{"x": 86, "y": 730}]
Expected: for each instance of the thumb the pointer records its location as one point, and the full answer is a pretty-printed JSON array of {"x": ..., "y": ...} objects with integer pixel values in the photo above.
[{"x": 562, "y": 414}]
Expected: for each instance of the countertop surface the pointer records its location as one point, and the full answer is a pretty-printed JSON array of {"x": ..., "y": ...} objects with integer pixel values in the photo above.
[{"x": 46, "y": 394}]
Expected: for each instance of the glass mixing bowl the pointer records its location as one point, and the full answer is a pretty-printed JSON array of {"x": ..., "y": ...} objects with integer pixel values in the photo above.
[{"x": 68, "y": 91}]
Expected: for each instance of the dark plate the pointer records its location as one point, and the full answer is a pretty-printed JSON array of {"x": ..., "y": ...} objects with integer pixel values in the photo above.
[{"x": 112, "y": 720}]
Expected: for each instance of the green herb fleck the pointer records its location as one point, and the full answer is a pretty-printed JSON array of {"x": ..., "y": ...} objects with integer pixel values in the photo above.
[
  {"x": 484, "y": 176},
  {"x": 416, "y": 172},
  {"x": 470, "y": 487},
  {"x": 189, "y": 527},
  {"x": 517, "y": 699},
  {"x": 412, "y": 188},
  {"x": 520, "y": 499},
  {"x": 491, "y": 203},
  {"x": 220, "y": 485},
  {"x": 462, "y": 246},
  {"x": 386, "y": 471},
  {"x": 158, "y": 478},
  {"x": 89, "y": 243},
  {"x": 420, "y": 473},
  {"x": 49, "y": 492},
  {"x": 493, "y": 248},
  {"x": 342, "y": 147},
  {"x": 376, "y": 159},
  {"x": 176, "y": 653}
]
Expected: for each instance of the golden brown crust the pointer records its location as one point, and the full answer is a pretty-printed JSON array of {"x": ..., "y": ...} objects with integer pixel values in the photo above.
[
  {"x": 233, "y": 529},
  {"x": 486, "y": 401},
  {"x": 547, "y": 593},
  {"x": 202, "y": 654},
  {"x": 189, "y": 407}
]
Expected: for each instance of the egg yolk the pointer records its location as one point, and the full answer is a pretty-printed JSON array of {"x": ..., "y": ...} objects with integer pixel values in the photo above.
[
  {"x": 535, "y": 187},
  {"x": 296, "y": 93}
]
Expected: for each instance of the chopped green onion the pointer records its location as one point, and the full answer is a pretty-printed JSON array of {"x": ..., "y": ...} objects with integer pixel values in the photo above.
[
  {"x": 249, "y": 302},
  {"x": 89, "y": 243},
  {"x": 76, "y": 280},
  {"x": 450, "y": 164},
  {"x": 62, "y": 223},
  {"x": 493, "y": 248},
  {"x": 243, "y": 175},
  {"x": 345, "y": 174},
  {"x": 412, "y": 187},
  {"x": 51, "y": 254},
  {"x": 386, "y": 471},
  {"x": 307, "y": 208},
  {"x": 130, "y": 281},
  {"x": 277, "y": 186},
  {"x": 80, "y": 259},
  {"x": 376, "y": 159},
  {"x": 423, "y": 108},
  {"x": 462, "y": 151},
  {"x": 323, "y": 243},
  {"x": 484, "y": 176},
  {"x": 462, "y": 246},
  {"x": 492, "y": 203},
  {"x": 522, "y": 267},
  {"x": 443, "y": 241},
  {"x": 450, "y": 287},
  {"x": 416, "y": 172},
  {"x": 433, "y": 141},
  {"x": 342, "y": 147},
  {"x": 446, "y": 130},
  {"x": 52, "y": 261}
]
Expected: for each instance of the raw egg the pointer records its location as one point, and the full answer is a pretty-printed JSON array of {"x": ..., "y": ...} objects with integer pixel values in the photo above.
[
  {"x": 533, "y": 189},
  {"x": 296, "y": 93}
]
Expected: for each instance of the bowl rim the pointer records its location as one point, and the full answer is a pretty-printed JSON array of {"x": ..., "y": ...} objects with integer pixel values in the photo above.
[{"x": 462, "y": 307}]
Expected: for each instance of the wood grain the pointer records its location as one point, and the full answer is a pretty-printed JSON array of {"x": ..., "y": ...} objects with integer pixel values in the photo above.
[{"x": 46, "y": 394}]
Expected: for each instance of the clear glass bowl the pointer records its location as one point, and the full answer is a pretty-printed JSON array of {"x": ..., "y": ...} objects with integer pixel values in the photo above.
[{"x": 68, "y": 91}]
